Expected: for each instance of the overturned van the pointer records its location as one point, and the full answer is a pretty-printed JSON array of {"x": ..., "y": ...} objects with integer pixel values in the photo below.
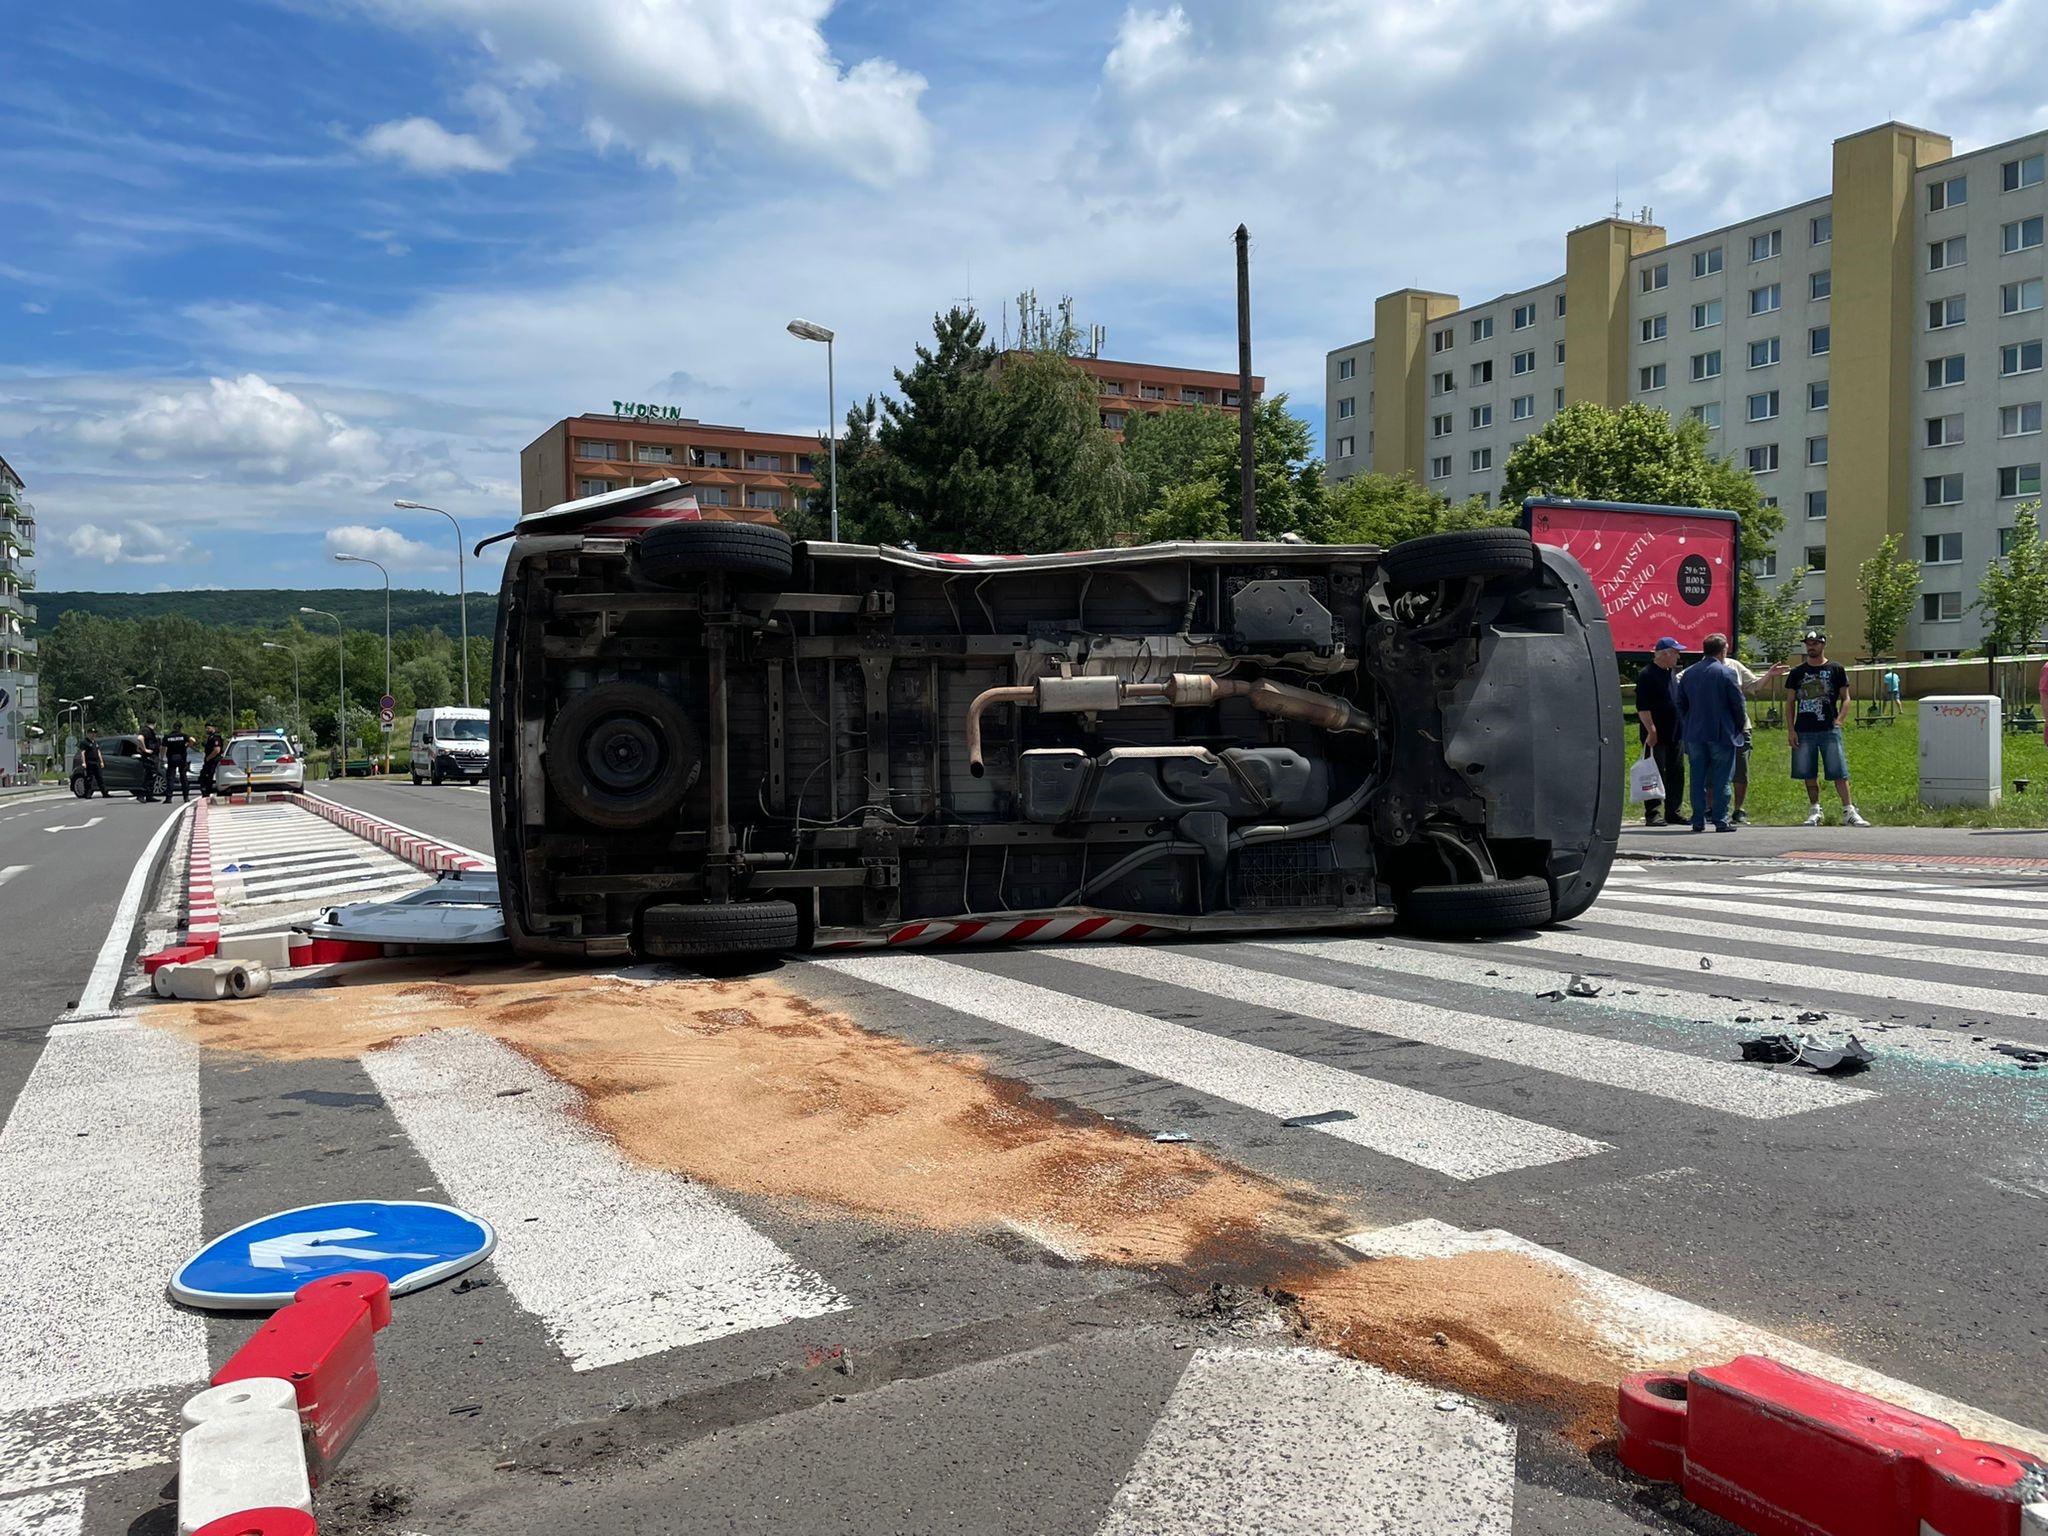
[{"x": 709, "y": 740}]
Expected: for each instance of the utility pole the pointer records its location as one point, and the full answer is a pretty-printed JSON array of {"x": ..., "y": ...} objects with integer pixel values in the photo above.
[{"x": 1248, "y": 508}]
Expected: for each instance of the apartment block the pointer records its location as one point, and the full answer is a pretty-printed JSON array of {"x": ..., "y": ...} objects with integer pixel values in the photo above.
[
  {"x": 1874, "y": 356},
  {"x": 744, "y": 473},
  {"x": 19, "y": 703},
  {"x": 1149, "y": 388}
]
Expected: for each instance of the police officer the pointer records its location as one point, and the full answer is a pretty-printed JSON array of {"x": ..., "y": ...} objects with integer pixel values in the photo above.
[
  {"x": 209, "y": 767},
  {"x": 177, "y": 746},
  {"x": 153, "y": 781},
  {"x": 93, "y": 765}
]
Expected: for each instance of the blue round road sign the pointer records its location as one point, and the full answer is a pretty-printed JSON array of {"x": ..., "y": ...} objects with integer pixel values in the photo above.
[{"x": 260, "y": 1266}]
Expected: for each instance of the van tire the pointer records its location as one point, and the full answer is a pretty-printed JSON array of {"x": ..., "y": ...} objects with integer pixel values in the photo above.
[
  {"x": 1459, "y": 555},
  {"x": 417, "y": 781},
  {"x": 676, "y": 553},
  {"x": 1493, "y": 907},
  {"x": 622, "y": 755},
  {"x": 676, "y": 931}
]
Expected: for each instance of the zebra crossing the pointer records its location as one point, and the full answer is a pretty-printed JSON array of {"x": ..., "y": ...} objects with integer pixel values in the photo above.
[
  {"x": 266, "y": 854},
  {"x": 1438, "y": 1070}
]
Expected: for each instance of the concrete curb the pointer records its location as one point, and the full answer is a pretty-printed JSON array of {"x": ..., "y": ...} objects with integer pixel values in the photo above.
[
  {"x": 416, "y": 848},
  {"x": 202, "y": 907}
]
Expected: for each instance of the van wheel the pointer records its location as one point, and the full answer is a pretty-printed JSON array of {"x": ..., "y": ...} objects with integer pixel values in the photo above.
[
  {"x": 673, "y": 931},
  {"x": 416, "y": 779},
  {"x": 622, "y": 755},
  {"x": 1494, "y": 907},
  {"x": 1455, "y": 556},
  {"x": 677, "y": 552}
]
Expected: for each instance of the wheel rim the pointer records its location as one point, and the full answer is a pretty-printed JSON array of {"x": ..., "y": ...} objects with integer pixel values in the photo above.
[{"x": 623, "y": 754}]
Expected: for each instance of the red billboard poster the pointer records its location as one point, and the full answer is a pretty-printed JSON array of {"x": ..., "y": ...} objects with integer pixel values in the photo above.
[{"x": 1659, "y": 570}]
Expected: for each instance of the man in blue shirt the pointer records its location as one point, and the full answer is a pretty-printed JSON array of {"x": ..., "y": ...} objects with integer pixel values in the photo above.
[{"x": 1713, "y": 721}]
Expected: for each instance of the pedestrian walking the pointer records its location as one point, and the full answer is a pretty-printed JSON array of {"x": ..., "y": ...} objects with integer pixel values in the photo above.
[
  {"x": 212, "y": 751},
  {"x": 1752, "y": 683},
  {"x": 1819, "y": 694},
  {"x": 1657, "y": 717},
  {"x": 153, "y": 782},
  {"x": 1713, "y": 719},
  {"x": 177, "y": 751},
  {"x": 1893, "y": 705},
  {"x": 93, "y": 763}
]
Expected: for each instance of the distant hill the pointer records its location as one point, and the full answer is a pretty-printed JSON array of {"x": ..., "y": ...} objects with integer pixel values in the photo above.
[{"x": 275, "y": 607}]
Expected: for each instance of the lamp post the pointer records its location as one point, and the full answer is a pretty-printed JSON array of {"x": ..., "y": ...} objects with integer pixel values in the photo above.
[
  {"x": 67, "y": 705},
  {"x": 461, "y": 584},
  {"x": 804, "y": 330},
  {"x": 150, "y": 688},
  {"x": 366, "y": 560},
  {"x": 341, "y": 682},
  {"x": 298, "y": 698},
  {"x": 233, "y": 720}
]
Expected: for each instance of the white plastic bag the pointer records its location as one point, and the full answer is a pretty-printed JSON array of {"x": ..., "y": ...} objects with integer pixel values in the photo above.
[{"x": 1644, "y": 781}]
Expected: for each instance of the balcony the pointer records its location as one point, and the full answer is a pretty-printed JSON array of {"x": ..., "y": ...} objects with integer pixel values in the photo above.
[{"x": 13, "y": 602}]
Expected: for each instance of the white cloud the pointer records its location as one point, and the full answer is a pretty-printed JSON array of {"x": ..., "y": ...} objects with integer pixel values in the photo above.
[
  {"x": 126, "y": 544},
  {"x": 385, "y": 544},
  {"x": 1148, "y": 44},
  {"x": 423, "y": 145},
  {"x": 666, "y": 77},
  {"x": 245, "y": 425}
]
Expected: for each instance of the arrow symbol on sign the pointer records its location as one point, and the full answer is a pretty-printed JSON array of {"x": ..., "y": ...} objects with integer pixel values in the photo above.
[
  {"x": 275, "y": 1252},
  {"x": 78, "y": 828}
]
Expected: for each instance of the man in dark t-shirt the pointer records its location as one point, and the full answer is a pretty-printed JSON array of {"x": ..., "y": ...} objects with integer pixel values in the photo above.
[
  {"x": 1657, "y": 717},
  {"x": 177, "y": 761},
  {"x": 1819, "y": 696}
]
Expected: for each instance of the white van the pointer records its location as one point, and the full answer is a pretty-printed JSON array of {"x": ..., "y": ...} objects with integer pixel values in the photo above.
[{"x": 451, "y": 744}]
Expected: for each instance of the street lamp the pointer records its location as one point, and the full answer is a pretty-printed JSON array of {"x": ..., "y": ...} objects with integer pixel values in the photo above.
[
  {"x": 233, "y": 720},
  {"x": 150, "y": 688},
  {"x": 461, "y": 584},
  {"x": 366, "y": 560},
  {"x": 341, "y": 682},
  {"x": 804, "y": 330},
  {"x": 79, "y": 704},
  {"x": 298, "y": 699}
]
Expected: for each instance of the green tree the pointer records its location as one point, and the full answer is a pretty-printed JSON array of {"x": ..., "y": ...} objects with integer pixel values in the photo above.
[
  {"x": 1386, "y": 509},
  {"x": 1777, "y": 618},
  {"x": 1167, "y": 450},
  {"x": 1887, "y": 584},
  {"x": 2013, "y": 596},
  {"x": 1193, "y": 510}
]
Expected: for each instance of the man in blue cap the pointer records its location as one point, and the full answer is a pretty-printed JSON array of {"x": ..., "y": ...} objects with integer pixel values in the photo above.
[
  {"x": 1714, "y": 719},
  {"x": 1657, "y": 714}
]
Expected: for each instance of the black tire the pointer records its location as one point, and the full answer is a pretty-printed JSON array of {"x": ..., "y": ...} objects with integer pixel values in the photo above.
[
  {"x": 622, "y": 755},
  {"x": 1494, "y": 907},
  {"x": 80, "y": 788},
  {"x": 678, "y": 552},
  {"x": 673, "y": 931},
  {"x": 435, "y": 778},
  {"x": 417, "y": 781},
  {"x": 1454, "y": 556}
]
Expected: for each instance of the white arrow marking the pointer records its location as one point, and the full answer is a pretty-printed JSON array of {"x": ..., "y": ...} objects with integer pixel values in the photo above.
[
  {"x": 272, "y": 1252},
  {"x": 11, "y": 871},
  {"x": 79, "y": 828}
]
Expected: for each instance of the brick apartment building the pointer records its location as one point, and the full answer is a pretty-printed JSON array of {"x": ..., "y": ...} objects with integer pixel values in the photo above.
[
  {"x": 726, "y": 467},
  {"x": 1152, "y": 388}
]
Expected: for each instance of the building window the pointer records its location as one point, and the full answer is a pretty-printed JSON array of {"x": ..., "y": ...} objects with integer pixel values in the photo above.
[
  {"x": 1821, "y": 228},
  {"x": 1943, "y": 313},
  {"x": 1482, "y": 328},
  {"x": 1952, "y": 193},
  {"x": 1152, "y": 391},
  {"x": 1525, "y": 316},
  {"x": 710, "y": 458},
  {"x": 1482, "y": 373},
  {"x": 1944, "y": 431},
  {"x": 1709, "y": 411},
  {"x": 1112, "y": 421},
  {"x": 1707, "y": 315},
  {"x": 1816, "y": 505},
  {"x": 1763, "y": 406},
  {"x": 1820, "y": 340},
  {"x": 1817, "y": 395},
  {"x": 1368, "y": 442},
  {"x": 1762, "y": 459},
  {"x": 1524, "y": 362},
  {"x": 2019, "y": 298},
  {"x": 1482, "y": 416},
  {"x": 1230, "y": 398},
  {"x": 1941, "y": 549},
  {"x": 770, "y": 462},
  {"x": 2018, "y": 358},
  {"x": 1442, "y": 383},
  {"x": 1941, "y": 607},
  {"x": 1560, "y": 306},
  {"x": 1191, "y": 396},
  {"x": 590, "y": 448},
  {"x": 1654, "y": 278},
  {"x": 1444, "y": 339},
  {"x": 2005, "y": 541},
  {"x": 2015, "y": 174},
  {"x": 2020, "y": 234},
  {"x": 1522, "y": 407},
  {"x": 1945, "y": 372},
  {"x": 711, "y": 496},
  {"x": 2019, "y": 480},
  {"x": 1767, "y": 299},
  {"x": 1347, "y": 367},
  {"x": 1346, "y": 447},
  {"x": 1952, "y": 252},
  {"x": 1655, "y": 327},
  {"x": 2019, "y": 420},
  {"x": 1816, "y": 557},
  {"x": 1768, "y": 566},
  {"x": 592, "y": 487},
  {"x": 1558, "y": 357},
  {"x": 1706, "y": 365},
  {"x": 1820, "y": 284},
  {"x": 1115, "y": 386},
  {"x": 1440, "y": 467},
  {"x": 1347, "y": 407},
  {"x": 1650, "y": 378},
  {"x": 1817, "y": 450},
  {"x": 1706, "y": 263},
  {"x": 1767, "y": 501},
  {"x": 1482, "y": 459},
  {"x": 767, "y": 501},
  {"x": 653, "y": 453},
  {"x": 806, "y": 464},
  {"x": 1942, "y": 490},
  {"x": 1764, "y": 353},
  {"x": 1557, "y": 399},
  {"x": 1764, "y": 246},
  {"x": 1440, "y": 426}
]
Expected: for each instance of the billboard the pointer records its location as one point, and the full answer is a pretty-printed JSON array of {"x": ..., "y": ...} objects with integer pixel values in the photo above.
[{"x": 1659, "y": 570}]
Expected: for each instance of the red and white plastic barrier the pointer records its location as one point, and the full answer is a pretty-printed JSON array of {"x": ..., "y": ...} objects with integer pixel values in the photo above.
[
  {"x": 1782, "y": 1453},
  {"x": 1022, "y": 930},
  {"x": 428, "y": 853},
  {"x": 202, "y": 906},
  {"x": 282, "y": 1411}
]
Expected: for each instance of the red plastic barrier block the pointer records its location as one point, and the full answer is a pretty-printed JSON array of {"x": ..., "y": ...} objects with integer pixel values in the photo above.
[
  {"x": 1783, "y": 1453},
  {"x": 332, "y": 951},
  {"x": 177, "y": 954},
  {"x": 262, "y": 1522},
  {"x": 323, "y": 1344}
]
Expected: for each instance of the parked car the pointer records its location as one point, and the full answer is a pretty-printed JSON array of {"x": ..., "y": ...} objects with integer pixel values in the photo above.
[
  {"x": 260, "y": 761},
  {"x": 451, "y": 743},
  {"x": 125, "y": 770},
  {"x": 708, "y": 740}
]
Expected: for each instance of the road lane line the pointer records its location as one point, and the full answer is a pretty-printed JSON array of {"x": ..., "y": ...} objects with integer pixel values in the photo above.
[
  {"x": 2032, "y": 894},
  {"x": 616, "y": 1260},
  {"x": 1301, "y": 1442},
  {"x": 1647, "y": 1329},
  {"x": 1813, "y": 917},
  {"x": 1789, "y": 935},
  {"x": 98, "y": 995},
  {"x": 1453, "y": 1138},
  {"x": 1793, "y": 905},
  {"x": 1731, "y": 1087}
]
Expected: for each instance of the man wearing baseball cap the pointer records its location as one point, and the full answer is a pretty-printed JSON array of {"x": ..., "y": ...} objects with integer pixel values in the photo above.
[
  {"x": 1819, "y": 691},
  {"x": 1657, "y": 714}
]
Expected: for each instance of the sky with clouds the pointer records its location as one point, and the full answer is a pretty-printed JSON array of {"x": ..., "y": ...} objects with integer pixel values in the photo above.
[{"x": 272, "y": 264}]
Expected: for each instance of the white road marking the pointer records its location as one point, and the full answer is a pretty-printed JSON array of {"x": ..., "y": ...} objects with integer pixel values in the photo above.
[
  {"x": 1461, "y": 1140},
  {"x": 2032, "y": 894},
  {"x": 470, "y": 853},
  {"x": 1730, "y": 1087},
  {"x": 299, "y": 890},
  {"x": 100, "y": 1164},
  {"x": 44, "y": 1514},
  {"x": 12, "y": 870},
  {"x": 1791, "y": 905},
  {"x": 1300, "y": 1442},
  {"x": 77, "y": 826},
  {"x": 1789, "y": 936},
  {"x": 616, "y": 1260},
  {"x": 98, "y": 995},
  {"x": 1906, "y": 933},
  {"x": 1647, "y": 1329}
]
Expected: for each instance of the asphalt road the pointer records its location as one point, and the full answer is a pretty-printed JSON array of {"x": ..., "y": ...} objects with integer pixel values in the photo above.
[
  {"x": 766, "y": 1348},
  {"x": 456, "y": 813}
]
